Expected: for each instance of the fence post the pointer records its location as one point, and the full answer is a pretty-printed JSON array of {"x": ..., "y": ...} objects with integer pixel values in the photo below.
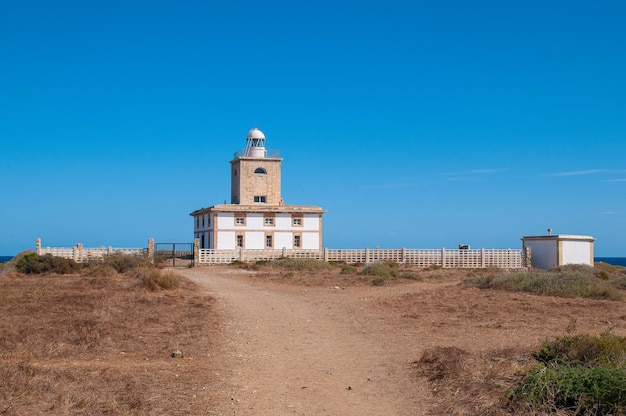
[
  {"x": 367, "y": 255},
  {"x": 151, "y": 249},
  {"x": 526, "y": 260},
  {"x": 403, "y": 257},
  {"x": 241, "y": 254},
  {"x": 284, "y": 254},
  {"x": 443, "y": 258},
  {"x": 326, "y": 254},
  {"x": 196, "y": 252},
  {"x": 482, "y": 258},
  {"x": 38, "y": 246},
  {"x": 76, "y": 252}
]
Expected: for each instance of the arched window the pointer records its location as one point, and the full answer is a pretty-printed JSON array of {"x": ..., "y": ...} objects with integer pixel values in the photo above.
[{"x": 260, "y": 170}]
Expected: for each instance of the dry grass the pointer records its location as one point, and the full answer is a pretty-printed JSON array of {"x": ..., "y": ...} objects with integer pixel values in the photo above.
[
  {"x": 94, "y": 345},
  {"x": 466, "y": 383},
  {"x": 306, "y": 272},
  {"x": 101, "y": 344}
]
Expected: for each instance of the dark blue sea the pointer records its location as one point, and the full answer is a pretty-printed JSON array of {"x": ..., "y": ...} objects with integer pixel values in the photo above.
[
  {"x": 5, "y": 258},
  {"x": 615, "y": 261}
]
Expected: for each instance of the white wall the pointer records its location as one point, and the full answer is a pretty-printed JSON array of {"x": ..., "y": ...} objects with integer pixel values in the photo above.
[
  {"x": 255, "y": 230},
  {"x": 543, "y": 253},
  {"x": 577, "y": 252},
  {"x": 225, "y": 240},
  {"x": 283, "y": 240},
  {"x": 225, "y": 220},
  {"x": 311, "y": 222},
  {"x": 283, "y": 222},
  {"x": 310, "y": 241},
  {"x": 254, "y": 221},
  {"x": 254, "y": 240}
]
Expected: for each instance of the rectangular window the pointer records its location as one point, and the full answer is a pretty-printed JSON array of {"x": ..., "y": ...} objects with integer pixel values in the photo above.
[
  {"x": 269, "y": 221},
  {"x": 240, "y": 221},
  {"x": 260, "y": 198},
  {"x": 297, "y": 221},
  {"x": 268, "y": 241},
  {"x": 240, "y": 241},
  {"x": 197, "y": 222},
  {"x": 296, "y": 241},
  {"x": 203, "y": 220}
]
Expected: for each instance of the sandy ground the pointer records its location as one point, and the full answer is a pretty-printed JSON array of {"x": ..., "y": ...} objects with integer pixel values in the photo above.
[{"x": 327, "y": 350}]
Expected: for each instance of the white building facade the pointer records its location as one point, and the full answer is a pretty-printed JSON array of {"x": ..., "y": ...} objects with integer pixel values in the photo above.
[
  {"x": 257, "y": 217},
  {"x": 549, "y": 251}
]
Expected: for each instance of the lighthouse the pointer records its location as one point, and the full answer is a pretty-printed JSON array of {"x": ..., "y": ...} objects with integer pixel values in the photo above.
[
  {"x": 255, "y": 176},
  {"x": 257, "y": 217}
]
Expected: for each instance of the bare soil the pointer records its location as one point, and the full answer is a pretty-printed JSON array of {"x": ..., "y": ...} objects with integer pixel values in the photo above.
[{"x": 274, "y": 343}]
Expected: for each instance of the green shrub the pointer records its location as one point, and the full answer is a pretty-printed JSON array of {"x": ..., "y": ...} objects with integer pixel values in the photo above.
[
  {"x": 603, "y": 275},
  {"x": 347, "y": 269},
  {"x": 379, "y": 269},
  {"x": 380, "y": 272},
  {"x": 582, "y": 373},
  {"x": 605, "y": 349},
  {"x": 299, "y": 264},
  {"x": 32, "y": 263},
  {"x": 586, "y": 390},
  {"x": 411, "y": 276}
]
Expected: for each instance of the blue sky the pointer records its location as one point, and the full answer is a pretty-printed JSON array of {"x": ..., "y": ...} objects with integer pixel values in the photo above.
[{"x": 416, "y": 124}]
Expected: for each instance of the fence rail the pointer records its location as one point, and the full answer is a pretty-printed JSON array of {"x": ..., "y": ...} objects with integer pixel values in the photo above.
[
  {"x": 446, "y": 258},
  {"x": 81, "y": 254}
]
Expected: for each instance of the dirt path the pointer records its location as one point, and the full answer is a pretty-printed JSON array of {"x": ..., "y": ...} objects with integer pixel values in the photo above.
[
  {"x": 306, "y": 351},
  {"x": 288, "y": 348}
]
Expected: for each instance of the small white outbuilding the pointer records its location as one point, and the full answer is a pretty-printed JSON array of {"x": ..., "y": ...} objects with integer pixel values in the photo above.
[{"x": 549, "y": 251}]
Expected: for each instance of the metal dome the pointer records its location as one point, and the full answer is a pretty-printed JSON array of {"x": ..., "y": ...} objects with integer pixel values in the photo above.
[{"x": 255, "y": 133}]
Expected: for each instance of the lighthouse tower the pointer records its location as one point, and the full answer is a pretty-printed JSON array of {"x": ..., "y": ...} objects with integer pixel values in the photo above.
[
  {"x": 255, "y": 177},
  {"x": 257, "y": 217}
]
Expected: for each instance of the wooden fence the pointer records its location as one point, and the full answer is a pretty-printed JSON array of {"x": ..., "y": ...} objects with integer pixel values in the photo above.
[{"x": 445, "y": 258}]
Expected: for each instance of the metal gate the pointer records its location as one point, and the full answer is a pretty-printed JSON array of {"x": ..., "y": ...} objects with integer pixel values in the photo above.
[{"x": 174, "y": 254}]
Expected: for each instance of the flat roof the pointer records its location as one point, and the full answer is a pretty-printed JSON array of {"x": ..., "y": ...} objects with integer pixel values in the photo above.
[
  {"x": 260, "y": 208},
  {"x": 559, "y": 237}
]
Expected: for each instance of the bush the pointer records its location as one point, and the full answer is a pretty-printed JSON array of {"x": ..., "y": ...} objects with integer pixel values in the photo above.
[
  {"x": 124, "y": 262},
  {"x": 32, "y": 263},
  {"x": 155, "y": 279},
  {"x": 411, "y": 276},
  {"x": 606, "y": 349},
  {"x": 100, "y": 270},
  {"x": 619, "y": 283},
  {"x": 379, "y": 269},
  {"x": 568, "y": 281},
  {"x": 581, "y": 372},
  {"x": 595, "y": 390},
  {"x": 380, "y": 272},
  {"x": 347, "y": 269},
  {"x": 298, "y": 264}
]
